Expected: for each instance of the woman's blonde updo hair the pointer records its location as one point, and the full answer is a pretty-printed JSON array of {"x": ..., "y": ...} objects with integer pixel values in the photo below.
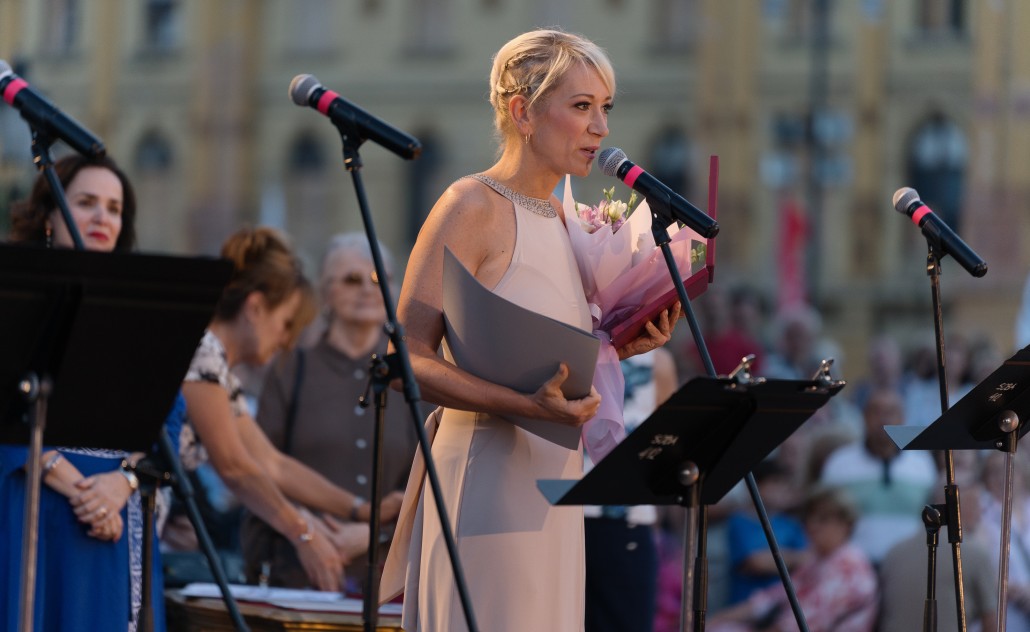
[
  {"x": 264, "y": 262},
  {"x": 533, "y": 63}
]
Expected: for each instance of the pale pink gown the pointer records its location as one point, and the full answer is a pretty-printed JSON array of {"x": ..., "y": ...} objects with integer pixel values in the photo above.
[{"x": 523, "y": 559}]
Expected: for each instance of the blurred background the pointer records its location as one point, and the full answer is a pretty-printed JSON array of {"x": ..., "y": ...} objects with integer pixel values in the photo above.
[{"x": 818, "y": 110}]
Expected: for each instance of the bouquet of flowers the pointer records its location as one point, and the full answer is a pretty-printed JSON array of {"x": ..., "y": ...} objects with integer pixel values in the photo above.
[{"x": 623, "y": 272}]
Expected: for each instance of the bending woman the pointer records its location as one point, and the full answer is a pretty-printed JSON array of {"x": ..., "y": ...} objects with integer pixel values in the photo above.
[{"x": 266, "y": 303}]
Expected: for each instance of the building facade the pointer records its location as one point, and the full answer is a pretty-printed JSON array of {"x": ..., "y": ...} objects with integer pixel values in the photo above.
[{"x": 818, "y": 110}]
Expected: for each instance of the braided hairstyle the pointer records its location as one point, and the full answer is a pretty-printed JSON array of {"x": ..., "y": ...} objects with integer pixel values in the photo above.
[{"x": 533, "y": 63}]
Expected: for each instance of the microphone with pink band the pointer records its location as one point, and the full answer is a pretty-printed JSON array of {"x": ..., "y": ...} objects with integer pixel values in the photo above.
[
  {"x": 44, "y": 117},
  {"x": 305, "y": 90},
  {"x": 907, "y": 202},
  {"x": 660, "y": 198}
]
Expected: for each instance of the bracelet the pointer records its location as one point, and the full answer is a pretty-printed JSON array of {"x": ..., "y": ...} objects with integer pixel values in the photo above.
[
  {"x": 50, "y": 464},
  {"x": 308, "y": 535},
  {"x": 358, "y": 502},
  {"x": 130, "y": 476}
]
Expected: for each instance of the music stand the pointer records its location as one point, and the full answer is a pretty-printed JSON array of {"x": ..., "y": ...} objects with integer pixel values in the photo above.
[
  {"x": 991, "y": 416},
  {"x": 113, "y": 333},
  {"x": 695, "y": 447}
]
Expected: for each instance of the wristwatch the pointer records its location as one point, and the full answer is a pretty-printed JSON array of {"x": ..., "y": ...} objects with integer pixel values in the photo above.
[{"x": 129, "y": 475}]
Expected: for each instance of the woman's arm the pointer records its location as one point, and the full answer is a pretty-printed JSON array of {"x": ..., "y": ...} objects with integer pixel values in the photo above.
[
  {"x": 296, "y": 480},
  {"x": 207, "y": 406},
  {"x": 96, "y": 501},
  {"x": 481, "y": 234}
]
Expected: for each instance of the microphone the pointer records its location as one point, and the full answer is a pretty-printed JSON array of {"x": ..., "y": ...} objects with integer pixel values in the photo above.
[
  {"x": 613, "y": 162},
  {"x": 907, "y": 202},
  {"x": 44, "y": 117},
  {"x": 305, "y": 90}
]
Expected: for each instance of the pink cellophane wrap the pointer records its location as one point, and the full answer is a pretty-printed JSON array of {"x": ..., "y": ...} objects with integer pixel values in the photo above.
[{"x": 621, "y": 272}]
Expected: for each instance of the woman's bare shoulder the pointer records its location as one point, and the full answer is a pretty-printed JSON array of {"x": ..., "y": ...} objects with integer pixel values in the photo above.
[{"x": 469, "y": 196}]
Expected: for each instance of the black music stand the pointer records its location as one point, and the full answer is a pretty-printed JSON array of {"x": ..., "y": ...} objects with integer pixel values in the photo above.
[
  {"x": 695, "y": 447},
  {"x": 991, "y": 416},
  {"x": 95, "y": 349}
]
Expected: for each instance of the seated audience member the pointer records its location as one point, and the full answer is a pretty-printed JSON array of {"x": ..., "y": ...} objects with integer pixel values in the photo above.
[
  {"x": 890, "y": 486},
  {"x": 261, "y": 311},
  {"x": 903, "y": 570},
  {"x": 885, "y": 368},
  {"x": 988, "y": 531},
  {"x": 752, "y": 566},
  {"x": 836, "y": 587}
]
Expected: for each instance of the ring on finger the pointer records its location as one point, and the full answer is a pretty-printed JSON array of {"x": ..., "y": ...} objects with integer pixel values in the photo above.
[{"x": 102, "y": 511}]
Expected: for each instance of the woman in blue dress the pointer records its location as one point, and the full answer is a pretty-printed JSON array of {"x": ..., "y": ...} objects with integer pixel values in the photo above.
[{"x": 89, "y": 568}]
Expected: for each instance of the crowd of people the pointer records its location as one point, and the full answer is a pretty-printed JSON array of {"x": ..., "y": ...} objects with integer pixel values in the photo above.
[{"x": 845, "y": 503}]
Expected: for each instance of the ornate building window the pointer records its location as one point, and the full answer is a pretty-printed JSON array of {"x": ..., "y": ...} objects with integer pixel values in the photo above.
[
  {"x": 799, "y": 21},
  {"x": 941, "y": 18},
  {"x": 669, "y": 159},
  {"x": 937, "y": 157},
  {"x": 423, "y": 187},
  {"x": 161, "y": 25},
  {"x": 153, "y": 153},
  {"x": 60, "y": 26},
  {"x": 675, "y": 25},
  {"x": 157, "y": 194},
  {"x": 429, "y": 27},
  {"x": 306, "y": 192},
  {"x": 312, "y": 27}
]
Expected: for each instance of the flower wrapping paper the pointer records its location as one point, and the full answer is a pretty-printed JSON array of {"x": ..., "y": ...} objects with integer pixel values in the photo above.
[{"x": 623, "y": 271}]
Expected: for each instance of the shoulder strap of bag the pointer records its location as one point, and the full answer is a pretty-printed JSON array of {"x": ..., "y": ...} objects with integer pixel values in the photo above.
[{"x": 291, "y": 409}]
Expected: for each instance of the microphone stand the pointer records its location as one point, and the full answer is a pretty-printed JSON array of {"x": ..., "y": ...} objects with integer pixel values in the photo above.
[
  {"x": 381, "y": 371},
  {"x": 352, "y": 162},
  {"x": 36, "y": 391},
  {"x": 661, "y": 219},
  {"x": 159, "y": 467},
  {"x": 44, "y": 162},
  {"x": 949, "y": 514}
]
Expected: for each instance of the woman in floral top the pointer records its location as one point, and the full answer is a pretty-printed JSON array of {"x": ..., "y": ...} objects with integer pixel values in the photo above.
[
  {"x": 261, "y": 310},
  {"x": 836, "y": 587}
]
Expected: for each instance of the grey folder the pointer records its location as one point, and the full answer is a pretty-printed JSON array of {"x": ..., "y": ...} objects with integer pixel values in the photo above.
[{"x": 497, "y": 340}]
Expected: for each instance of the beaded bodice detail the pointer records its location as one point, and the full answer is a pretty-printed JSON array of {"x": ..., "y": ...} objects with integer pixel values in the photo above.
[{"x": 535, "y": 205}]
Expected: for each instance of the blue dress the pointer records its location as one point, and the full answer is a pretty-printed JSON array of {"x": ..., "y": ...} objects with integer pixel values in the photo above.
[{"x": 82, "y": 583}]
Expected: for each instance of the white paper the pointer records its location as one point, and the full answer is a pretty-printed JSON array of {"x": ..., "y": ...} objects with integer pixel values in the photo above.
[
  {"x": 504, "y": 343},
  {"x": 286, "y": 598}
]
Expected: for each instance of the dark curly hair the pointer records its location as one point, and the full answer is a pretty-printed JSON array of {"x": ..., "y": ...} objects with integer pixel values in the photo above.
[{"x": 29, "y": 217}]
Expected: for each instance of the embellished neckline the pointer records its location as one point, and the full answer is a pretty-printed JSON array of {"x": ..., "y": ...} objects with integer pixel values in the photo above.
[{"x": 536, "y": 205}]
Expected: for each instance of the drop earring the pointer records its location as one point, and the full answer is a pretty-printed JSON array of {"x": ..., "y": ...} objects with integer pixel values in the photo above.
[{"x": 49, "y": 236}]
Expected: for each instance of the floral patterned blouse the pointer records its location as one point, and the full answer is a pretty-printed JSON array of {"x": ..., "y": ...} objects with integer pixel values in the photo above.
[{"x": 210, "y": 364}]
